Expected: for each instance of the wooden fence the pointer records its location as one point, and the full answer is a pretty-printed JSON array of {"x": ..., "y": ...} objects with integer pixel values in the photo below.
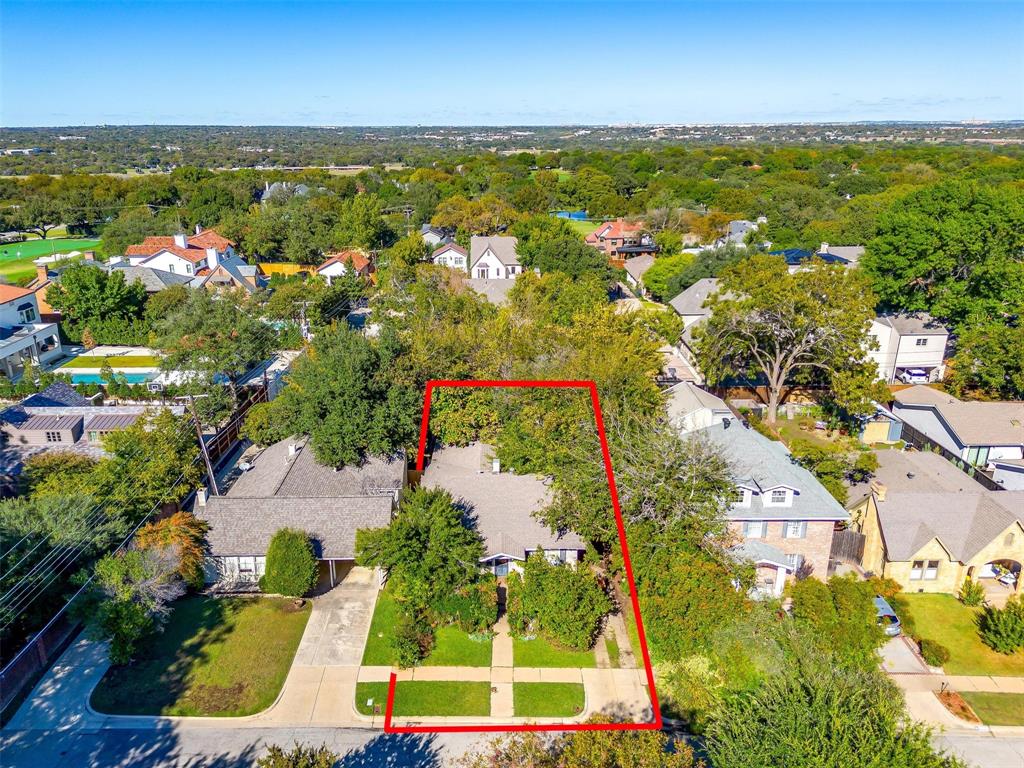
[{"x": 847, "y": 547}]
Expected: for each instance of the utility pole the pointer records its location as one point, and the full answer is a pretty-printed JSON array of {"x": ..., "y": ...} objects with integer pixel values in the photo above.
[{"x": 202, "y": 443}]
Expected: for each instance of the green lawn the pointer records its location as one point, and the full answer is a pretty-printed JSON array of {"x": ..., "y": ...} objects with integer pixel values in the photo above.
[
  {"x": 540, "y": 653},
  {"x": 33, "y": 249},
  {"x": 946, "y": 620},
  {"x": 225, "y": 657},
  {"x": 996, "y": 708},
  {"x": 426, "y": 698},
  {"x": 547, "y": 699},
  {"x": 612, "y": 647},
  {"x": 453, "y": 647},
  {"x": 584, "y": 227},
  {"x": 118, "y": 361}
]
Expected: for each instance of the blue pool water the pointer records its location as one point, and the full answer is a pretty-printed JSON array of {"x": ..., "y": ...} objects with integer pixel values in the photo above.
[
  {"x": 95, "y": 378},
  {"x": 574, "y": 215}
]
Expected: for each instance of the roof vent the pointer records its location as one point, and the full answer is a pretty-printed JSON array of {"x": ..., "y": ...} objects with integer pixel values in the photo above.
[
  {"x": 726, "y": 421},
  {"x": 293, "y": 450}
]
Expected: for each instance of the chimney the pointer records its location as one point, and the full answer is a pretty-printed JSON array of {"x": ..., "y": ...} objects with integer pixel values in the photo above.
[
  {"x": 89, "y": 256},
  {"x": 212, "y": 258},
  {"x": 181, "y": 241},
  {"x": 199, "y": 228},
  {"x": 824, "y": 248},
  {"x": 42, "y": 273},
  {"x": 201, "y": 496},
  {"x": 878, "y": 489}
]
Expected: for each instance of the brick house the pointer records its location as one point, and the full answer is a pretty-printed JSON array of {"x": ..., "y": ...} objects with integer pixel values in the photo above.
[
  {"x": 782, "y": 515},
  {"x": 620, "y": 240}
]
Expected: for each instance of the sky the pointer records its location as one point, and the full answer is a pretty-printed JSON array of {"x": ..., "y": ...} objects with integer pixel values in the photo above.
[{"x": 301, "y": 62}]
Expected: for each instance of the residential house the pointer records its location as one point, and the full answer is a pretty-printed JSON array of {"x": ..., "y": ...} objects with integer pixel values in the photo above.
[
  {"x": 282, "y": 190},
  {"x": 908, "y": 342},
  {"x": 690, "y": 408},
  {"x": 620, "y": 240},
  {"x": 284, "y": 486},
  {"x": 976, "y": 432},
  {"x": 493, "y": 257},
  {"x": 500, "y": 505},
  {"x": 736, "y": 234},
  {"x": 60, "y": 419},
  {"x": 153, "y": 280},
  {"x": 451, "y": 255},
  {"x": 435, "y": 236},
  {"x": 690, "y": 305},
  {"x": 849, "y": 253},
  {"x": 495, "y": 291},
  {"x": 783, "y": 517},
  {"x": 229, "y": 275},
  {"x": 928, "y": 526},
  {"x": 338, "y": 264},
  {"x": 636, "y": 267},
  {"x": 797, "y": 258},
  {"x": 22, "y": 337},
  {"x": 182, "y": 254},
  {"x": 1009, "y": 473}
]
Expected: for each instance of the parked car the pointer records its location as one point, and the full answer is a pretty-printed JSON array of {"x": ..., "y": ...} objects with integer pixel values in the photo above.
[
  {"x": 914, "y": 376},
  {"x": 887, "y": 618}
]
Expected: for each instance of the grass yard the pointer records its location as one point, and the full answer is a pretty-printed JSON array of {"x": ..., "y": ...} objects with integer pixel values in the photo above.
[
  {"x": 547, "y": 699},
  {"x": 996, "y": 708},
  {"x": 224, "y": 657},
  {"x": 612, "y": 647},
  {"x": 116, "y": 362},
  {"x": 946, "y": 620},
  {"x": 540, "y": 653},
  {"x": 428, "y": 698},
  {"x": 16, "y": 258},
  {"x": 584, "y": 227},
  {"x": 453, "y": 647}
]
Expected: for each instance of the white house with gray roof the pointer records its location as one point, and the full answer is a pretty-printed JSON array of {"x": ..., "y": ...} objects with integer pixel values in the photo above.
[
  {"x": 502, "y": 506},
  {"x": 284, "y": 486},
  {"x": 908, "y": 342},
  {"x": 978, "y": 432},
  {"x": 493, "y": 257},
  {"x": 783, "y": 517}
]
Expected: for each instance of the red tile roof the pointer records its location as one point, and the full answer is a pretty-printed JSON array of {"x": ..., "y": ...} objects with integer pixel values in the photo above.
[
  {"x": 196, "y": 251},
  {"x": 12, "y": 292},
  {"x": 615, "y": 229},
  {"x": 357, "y": 259}
]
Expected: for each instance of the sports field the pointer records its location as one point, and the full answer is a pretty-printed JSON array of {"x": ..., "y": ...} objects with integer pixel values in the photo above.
[{"x": 16, "y": 258}]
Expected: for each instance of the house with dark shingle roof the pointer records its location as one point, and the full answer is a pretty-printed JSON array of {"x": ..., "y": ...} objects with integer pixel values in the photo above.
[
  {"x": 501, "y": 506},
  {"x": 284, "y": 486},
  {"x": 929, "y": 526}
]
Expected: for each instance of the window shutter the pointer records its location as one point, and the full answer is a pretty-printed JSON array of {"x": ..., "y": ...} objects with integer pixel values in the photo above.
[{"x": 803, "y": 530}]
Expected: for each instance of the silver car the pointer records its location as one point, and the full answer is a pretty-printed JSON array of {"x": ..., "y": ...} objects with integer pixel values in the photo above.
[{"x": 887, "y": 618}]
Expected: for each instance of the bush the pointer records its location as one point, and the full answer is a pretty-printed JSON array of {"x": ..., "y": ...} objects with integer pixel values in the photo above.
[
  {"x": 972, "y": 592},
  {"x": 934, "y": 654},
  {"x": 291, "y": 564},
  {"x": 566, "y": 603},
  {"x": 473, "y": 608},
  {"x": 299, "y": 757},
  {"x": 413, "y": 638},
  {"x": 884, "y": 586},
  {"x": 1003, "y": 630},
  {"x": 262, "y": 426}
]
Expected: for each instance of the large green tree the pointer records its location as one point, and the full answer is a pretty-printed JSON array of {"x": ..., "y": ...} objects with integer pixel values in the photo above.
[
  {"x": 86, "y": 292},
  {"x": 777, "y": 327},
  {"x": 951, "y": 249}
]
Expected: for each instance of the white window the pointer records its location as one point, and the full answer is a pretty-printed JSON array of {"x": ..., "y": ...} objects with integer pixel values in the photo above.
[
  {"x": 794, "y": 561},
  {"x": 753, "y": 529},
  {"x": 778, "y": 496},
  {"x": 794, "y": 529},
  {"x": 170, "y": 268},
  {"x": 94, "y": 436},
  {"x": 54, "y": 437},
  {"x": 916, "y": 568},
  {"x": 188, "y": 268},
  {"x": 922, "y": 342},
  {"x": 482, "y": 272},
  {"x": 247, "y": 566},
  {"x": 931, "y": 571},
  {"x": 28, "y": 315}
]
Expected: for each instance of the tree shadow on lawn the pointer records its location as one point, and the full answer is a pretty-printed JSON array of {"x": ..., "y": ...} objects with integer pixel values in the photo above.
[{"x": 395, "y": 749}]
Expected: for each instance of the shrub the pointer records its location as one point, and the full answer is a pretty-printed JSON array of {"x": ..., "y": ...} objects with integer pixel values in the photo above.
[
  {"x": 299, "y": 756},
  {"x": 884, "y": 586},
  {"x": 972, "y": 592},
  {"x": 291, "y": 564},
  {"x": 934, "y": 654},
  {"x": 1003, "y": 629},
  {"x": 262, "y": 426},
  {"x": 413, "y": 638},
  {"x": 567, "y": 603},
  {"x": 473, "y": 608},
  {"x": 515, "y": 614}
]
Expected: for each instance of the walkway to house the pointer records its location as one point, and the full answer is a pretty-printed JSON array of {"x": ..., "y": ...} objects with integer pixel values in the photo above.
[{"x": 919, "y": 692}]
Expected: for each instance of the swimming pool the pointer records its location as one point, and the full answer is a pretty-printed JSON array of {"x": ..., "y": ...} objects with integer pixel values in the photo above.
[{"x": 95, "y": 378}]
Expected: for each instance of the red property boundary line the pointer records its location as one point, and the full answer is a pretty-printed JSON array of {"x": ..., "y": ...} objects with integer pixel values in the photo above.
[{"x": 606, "y": 455}]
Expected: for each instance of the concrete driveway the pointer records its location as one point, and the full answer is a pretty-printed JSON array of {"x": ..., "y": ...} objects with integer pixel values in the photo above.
[
  {"x": 336, "y": 633},
  {"x": 900, "y": 658}
]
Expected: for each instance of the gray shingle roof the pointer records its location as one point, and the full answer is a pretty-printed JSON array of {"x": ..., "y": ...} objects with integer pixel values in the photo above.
[
  {"x": 56, "y": 395},
  {"x": 494, "y": 290},
  {"x": 764, "y": 464},
  {"x": 502, "y": 246},
  {"x": 975, "y": 423},
  {"x": 153, "y": 280},
  {"x": 274, "y": 473},
  {"x": 244, "y": 526},
  {"x": 638, "y": 266},
  {"x": 502, "y": 505},
  {"x": 757, "y": 551},
  {"x": 916, "y": 324},
  {"x": 691, "y": 301},
  {"x": 686, "y": 397}
]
